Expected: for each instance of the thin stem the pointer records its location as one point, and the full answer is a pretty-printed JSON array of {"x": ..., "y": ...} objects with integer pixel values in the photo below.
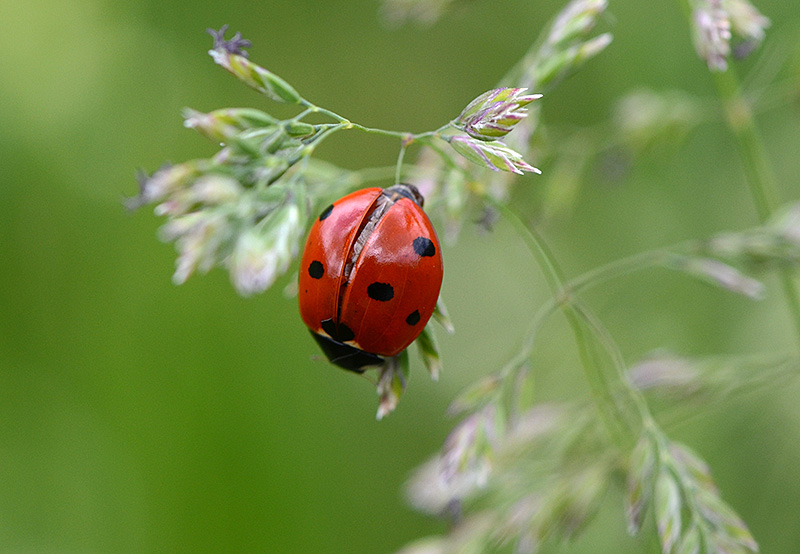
[
  {"x": 760, "y": 177},
  {"x": 407, "y": 137},
  {"x": 590, "y": 279},
  {"x": 315, "y": 140},
  {"x": 311, "y": 107},
  {"x": 399, "y": 165},
  {"x": 631, "y": 392},
  {"x": 739, "y": 118},
  {"x": 598, "y": 382},
  {"x": 619, "y": 268},
  {"x": 382, "y": 132},
  {"x": 302, "y": 114}
]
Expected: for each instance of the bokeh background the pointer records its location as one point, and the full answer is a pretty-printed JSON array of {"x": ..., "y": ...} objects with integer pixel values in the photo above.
[{"x": 138, "y": 417}]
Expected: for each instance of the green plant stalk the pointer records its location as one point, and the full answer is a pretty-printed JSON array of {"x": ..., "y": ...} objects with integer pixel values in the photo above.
[
  {"x": 618, "y": 268},
  {"x": 739, "y": 118},
  {"x": 599, "y": 383},
  {"x": 760, "y": 177},
  {"x": 407, "y": 137},
  {"x": 630, "y": 393},
  {"x": 590, "y": 279},
  {"x": 399, "y": 166}
]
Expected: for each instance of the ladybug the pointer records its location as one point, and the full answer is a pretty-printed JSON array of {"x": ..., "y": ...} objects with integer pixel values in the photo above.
[{"x": 370, "y": 275}]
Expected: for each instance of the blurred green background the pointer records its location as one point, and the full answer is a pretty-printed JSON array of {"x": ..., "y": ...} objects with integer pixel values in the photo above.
[{"x": 137, "y": 416}]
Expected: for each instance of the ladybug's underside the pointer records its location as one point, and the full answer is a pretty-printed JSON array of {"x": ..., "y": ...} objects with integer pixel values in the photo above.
[{"x": 346, "y": 356}]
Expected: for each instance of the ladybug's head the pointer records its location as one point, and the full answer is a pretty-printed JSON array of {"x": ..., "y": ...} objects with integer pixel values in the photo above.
[{"x": 407, "y": 191}]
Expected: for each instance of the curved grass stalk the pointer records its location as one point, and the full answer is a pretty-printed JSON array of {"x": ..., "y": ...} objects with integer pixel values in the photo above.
[
  {"x": 760, "y": 176},
  {"x": 615, "y": 420}
]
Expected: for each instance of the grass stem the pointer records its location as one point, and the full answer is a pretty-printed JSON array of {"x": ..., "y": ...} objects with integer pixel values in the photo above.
[
  {"x": 602, "y": 385},
  {"x": 758, "y": 170}
]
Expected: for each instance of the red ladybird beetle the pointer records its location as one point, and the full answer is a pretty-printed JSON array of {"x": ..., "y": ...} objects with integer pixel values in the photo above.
[{"x": 370, "y": 275}]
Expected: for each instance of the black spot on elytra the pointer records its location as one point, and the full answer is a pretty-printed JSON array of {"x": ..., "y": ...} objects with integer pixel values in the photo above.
[
  {"x": 326, "y": 212},
  {"x": 340, "y": 332},
  {"x": 424, "y": 247},
  {"x": 382, "y": 292},
  {"x": 316, "y": 270},
  {"x": 413, "y": 318}
]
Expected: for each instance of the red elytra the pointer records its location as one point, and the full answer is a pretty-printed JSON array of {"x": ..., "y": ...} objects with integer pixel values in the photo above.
[{"x": 370, "y": 275}]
